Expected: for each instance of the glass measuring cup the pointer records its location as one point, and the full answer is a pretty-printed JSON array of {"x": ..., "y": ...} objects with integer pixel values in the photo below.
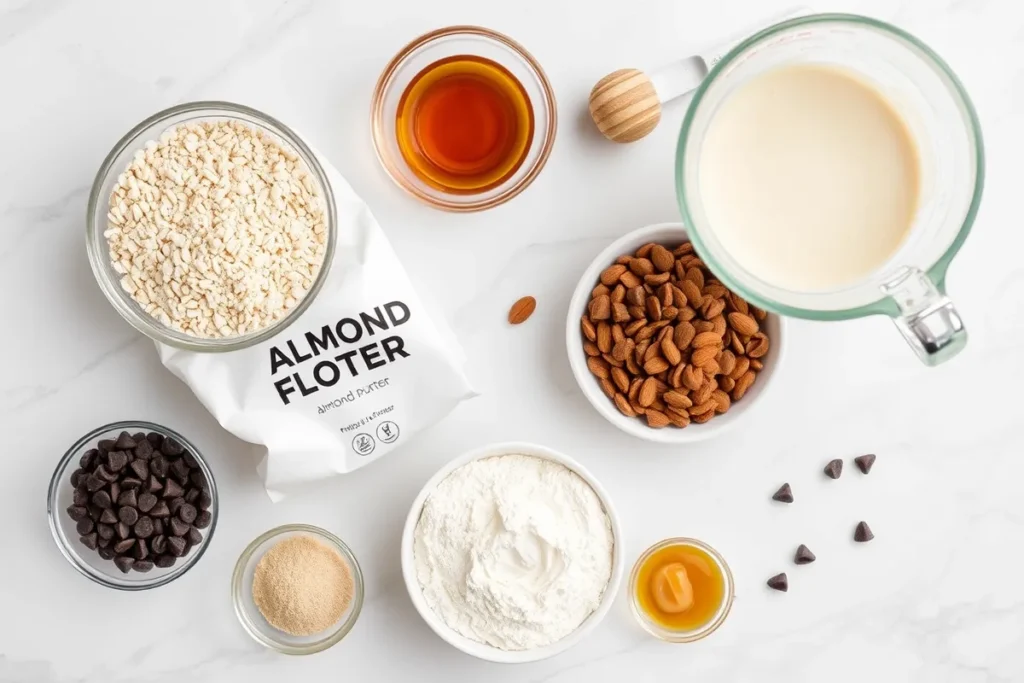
[{"x": 910, "y": 286}]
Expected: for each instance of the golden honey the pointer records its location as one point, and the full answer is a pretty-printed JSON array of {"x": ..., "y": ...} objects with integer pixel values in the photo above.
[
  {"x": 464, "y": 124},
  {"x": 680, "y": 587}
]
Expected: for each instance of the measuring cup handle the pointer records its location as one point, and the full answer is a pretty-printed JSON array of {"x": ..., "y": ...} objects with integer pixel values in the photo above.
[{"x": 928, "y": 320}]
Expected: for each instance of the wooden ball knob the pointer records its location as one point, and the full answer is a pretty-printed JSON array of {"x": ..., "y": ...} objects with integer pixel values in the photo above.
[{"x": 625, "y": 105}]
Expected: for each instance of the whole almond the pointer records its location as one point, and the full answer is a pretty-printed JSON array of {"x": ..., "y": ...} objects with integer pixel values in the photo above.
[
  {"x": 743, "y": 324},
  {"x": 684, "y": 335},
  {"x": 669, "y": 313},
  {"x": 715, "y": 291},
  {"x": 656, "y": 365},
  {"x": 521, "y": 310},
  {"x": 634, "y": 327},
  {"x": 703, "y": 394},
  {"x": 588, "y": 328},
  {"x": 611, "y": 274},
  {"x": 645, "y": 250},
  {"x": 693, "y": 377},
  {"x": 701, "y": 408},
  {"x": 653, "y": 351},
  {"x": 621, "y": 350},
  {"x": 703, "y": 355},
  {"x": 665, "y": 295},
  {"x": 759, "y": 313},
  {"x": 620, "y": 379},
  {"x": 656, "y": 280},
  {"x": 719, "y": 326},
  {"x": 617, "y": 334},
  {"x": 590, "y": 348},
  {"x": 604, "y": 337},
  {"x": 599, "y": 290},
  {"x": 683, "y": 249},
  {"x": 711, "y": 368},
  {"x": 634, "y": 389},
  {"x": 662, "y": 259},
  {"x": 611, "y": 360},
  {"x": 671, "y": 351},
  {"x": 599, "y": 367},
  {"x": 600, "y": 307},
  {"x": 607, "y": 387},
  {"x": 742, "y": 365},
  {"x": 727, "y": 362},
  {"x": 632, "y": 364},
  {"x": 686, "y": 313},
  {"x": 758, "y": 345},
  {"x": 726, "y": 383},
  {"x": 641, "y": 266},
  {"x": 648, "y": 392},
  {"x": 707, "y": 339},
  {"x": 702, "y": 418},
  {"x": 737, "y": 343},
  {"x": 677, "y": 399},
  {"x": 713, "y": 307},
  {"x": 637, "y": 408},
  {"x": 653, "y": 308},
  {"x": 677, "y": 420},
  {"x": 638, "y": 313},
  {"x": 620, "y": 313},
  {"x": 623, "y": 405},
  {"x": 618, "y": 294},
  {"x": 641, "y": 349},
  {"x": 693, "y": 296},
  {"x": 628, "y": 280},
  {"x": 636, "y": 296},
  {"x": 645, "y": 333},
  {"x": 656, "y": 419},
  {"x": 678, "y": 296},
  {"x": 721, "y": 399},
  {"x": 675, "y": 377},
  {"x": 624, "y": 260},
  {"x": 742, "y": 384},
  {"x": 694, "y": 275},
  {"x": 738, "y": 303},
  {"x": 756, "y": 364}
]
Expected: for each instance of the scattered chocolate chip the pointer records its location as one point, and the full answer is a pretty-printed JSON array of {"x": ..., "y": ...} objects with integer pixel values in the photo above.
[
  {"x": 141, "y": 550},
  {"x": 130, "y": 483},
  {"x": 77, "y": 512},
  {"x": 203, "y": 519},
  {"x": 89, "y": 540},
  {"x": 144, "y": 527},
  {"x": 160, "y": 510},
  {"x": 141, "y": 468},
  {"x": 142, "y": 566},
  {"x": 108, "y": 517},
  {"x": 179, "y": 470},
  {"x": 199, "y": 479},
  {"x": 779, "y": 582},
  {"x": 124, "y": 563},
  {"x": 188, "y": 513},
  {"x": 106, "y": 553},
  {"x": 123, "y": 530},
  {"x": 121, "y": 547},
  {"x": 862, "y": 534},
  {"x": 147, "y": 501},
  {"x": 106, "y": 531},
  {"x": 834, "y": 468},
  {"x": 865, "y": 462},
  {"x": 176, "y": 546},
  {"x": 105, "y": 445},
  {"x": 128, "y": 515},
  {"x": 154, "y": 484},
  {"x": 159, "y": 544},
  {"x": 192, "y": 495},
  {"x": 784, "y": 494},
  {"x": 76, "y": 477},
  {"x": 80, "y": 497},
  {"x": 88, "y": 458},
  {"x": 124, "y": 441},
  {"x": 804, "y": 555},
  {"x": 205, "y": 500},
  {"x": 85, "y": 526},
  {"x": 171, "y": 446},
  {"x": 94, "y": 483},
  {"x": 165, "y": 561},
  {"x": 158, "y": 526},
  {"x": 195, "y": 537},
  {"x": 178, "y": 527},
  {"x": 129, "y": 498},
  {"x": 101, "y": 499},
  {"x": 144, "y": 451},
  {"x": 189, "y": 459},
  {"x": 172, "y": 489}
]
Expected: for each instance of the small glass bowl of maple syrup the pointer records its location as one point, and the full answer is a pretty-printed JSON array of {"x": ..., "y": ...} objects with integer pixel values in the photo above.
[
  {"x": 463, "y": 118},
  {"x": 681, "y": 590}
]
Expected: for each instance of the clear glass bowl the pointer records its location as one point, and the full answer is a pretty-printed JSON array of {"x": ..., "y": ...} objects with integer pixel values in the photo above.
[
  {"x": 249, "y": 614},
  {"x": 673, "y": 635},
  {"x": 118, "y": 160},
  {"x": 88, "y": 562},
  {"x": 448, "y": 42}
]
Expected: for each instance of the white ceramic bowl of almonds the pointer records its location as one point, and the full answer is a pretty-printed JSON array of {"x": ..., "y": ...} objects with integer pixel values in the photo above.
[
  {"x": 261, "y": 215},
  {"x": 483, "y": 650},
  {"x": 670, "y": 235}
]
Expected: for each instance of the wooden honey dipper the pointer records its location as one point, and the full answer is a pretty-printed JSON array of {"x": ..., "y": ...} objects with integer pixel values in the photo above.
[{"x": 626, "y": 104}]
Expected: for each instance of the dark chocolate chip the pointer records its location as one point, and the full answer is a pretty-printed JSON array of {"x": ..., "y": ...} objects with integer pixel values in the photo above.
[
  {"x": 189, "y": 459},
  {"x": 179, "y": 470},
  {"x": 130, "y": 483},
  {"x": 155, "y": 439},
  {"x": 154, "y": 484},
  {"x": 141, "y": 468},
  {"x": 187, "y": 513},
  {"x": 101, "y": 499},
  {"x": 129, "y": 498},
  {"x": 139, "y": 437},
  {"x": 865, "y": 462},
  {"x": 199, "y": 479},
  {"x": 144, "y": 527},
  {"x": 123, "y": 530},
  {"x": 142, "y": 566},
  {"x": 77, "y": 512},
  {"x": 784, "y": 494},
  {"x": 106, "y": 553},
  {"x": 203, "y": 519},
  {"x": 108, "y": 517},
  {"x": 834, "y": 468},
  {"x": 862, "y": 534},
  {"x": 176, "y": 546},
  {"x": 94, "y": 512},
  {"x": 144, "y": 451},
  {"x": 178, "y": 527},
  {"x": 114, "y": 490},
  {"x": 124, "y": 441},
  {"x": 88, "y": 458},
  {"x": 172, "y": 489},
  {"x": 195, "y": 537},
  {"x": 175, "y": 505},
  {"x": 77, "y": 477},
  {"x": 192, "y": 495},
  {"x": 147, "y": 501},
  {"x": 116, "y": 460},
  {"x": 105, "y": 474},
  {"x": 89, "y": 541},
  {"x": 779, "y": 582},
  {"x": 94, "y": 483},
  {"x": 165, "y": 561},
  {"x": 128, "y": 515},
  {"x": 141, "y": 550},
  {"x": 103, "y": 542},
  {"x": 158, "y": 526},
  {"x": 804, "y": 555},
  {"x": 106, "y": 531},
  {"x": 80, "y": 497},
  {"x": 121, "y": 547},
  {"x": 160, "y": 510},
  {"x": 158, "y": 466},
  {"x": 85, "y": 526},
  {"x": 171, "y": 447},
  {"x": 124, "y": 563},
  {"x": 158, "y": 545},
  {"x": 105, "y": 445}
]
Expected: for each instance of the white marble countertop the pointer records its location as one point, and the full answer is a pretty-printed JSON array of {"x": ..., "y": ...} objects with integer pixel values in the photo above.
[{"x": 938, "y": 595}]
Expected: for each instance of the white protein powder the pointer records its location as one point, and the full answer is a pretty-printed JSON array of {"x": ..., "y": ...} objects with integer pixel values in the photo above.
[{"x": 513, "y": 551}]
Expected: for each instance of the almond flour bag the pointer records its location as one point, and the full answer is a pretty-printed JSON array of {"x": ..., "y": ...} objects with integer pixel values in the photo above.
[{"x": 359, "y": 373}]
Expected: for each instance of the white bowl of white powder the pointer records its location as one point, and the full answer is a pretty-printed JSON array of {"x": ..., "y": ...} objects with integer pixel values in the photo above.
[{"x": 511, "y": 553}]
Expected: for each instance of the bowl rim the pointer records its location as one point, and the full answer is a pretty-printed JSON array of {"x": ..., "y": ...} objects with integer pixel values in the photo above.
[
  {"x": 356, "y": 608},
  {"x": 482, "y": 650},
  {"x": 378, "y": 128},
  {"x": 99, "y": 259},
  {"x": 600, "y": 402},
  {"x": 57, "y": 480}
]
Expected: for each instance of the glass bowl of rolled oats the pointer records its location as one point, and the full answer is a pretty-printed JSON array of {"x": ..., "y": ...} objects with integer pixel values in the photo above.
[{"x": 211, "y": 226}]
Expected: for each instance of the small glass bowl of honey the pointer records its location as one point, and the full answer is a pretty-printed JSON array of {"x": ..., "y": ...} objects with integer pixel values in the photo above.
[
  {"x": 463, "y": 118},
  {"x": 681, "y": 590}
]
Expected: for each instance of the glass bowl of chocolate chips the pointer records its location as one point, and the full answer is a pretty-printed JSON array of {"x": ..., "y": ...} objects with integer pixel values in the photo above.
[{"x": 132, "y": 505}]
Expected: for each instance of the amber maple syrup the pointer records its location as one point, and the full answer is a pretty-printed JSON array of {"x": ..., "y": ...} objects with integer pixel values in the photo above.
[{"x": 464, "y": 124}]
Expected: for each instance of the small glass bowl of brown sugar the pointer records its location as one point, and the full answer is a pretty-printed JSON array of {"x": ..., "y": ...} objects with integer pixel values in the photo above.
[{"x": 297, "y": 589}]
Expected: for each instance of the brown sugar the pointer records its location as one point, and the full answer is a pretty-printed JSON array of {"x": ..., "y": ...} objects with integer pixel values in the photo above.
[{"x": 302, "y": 586}]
